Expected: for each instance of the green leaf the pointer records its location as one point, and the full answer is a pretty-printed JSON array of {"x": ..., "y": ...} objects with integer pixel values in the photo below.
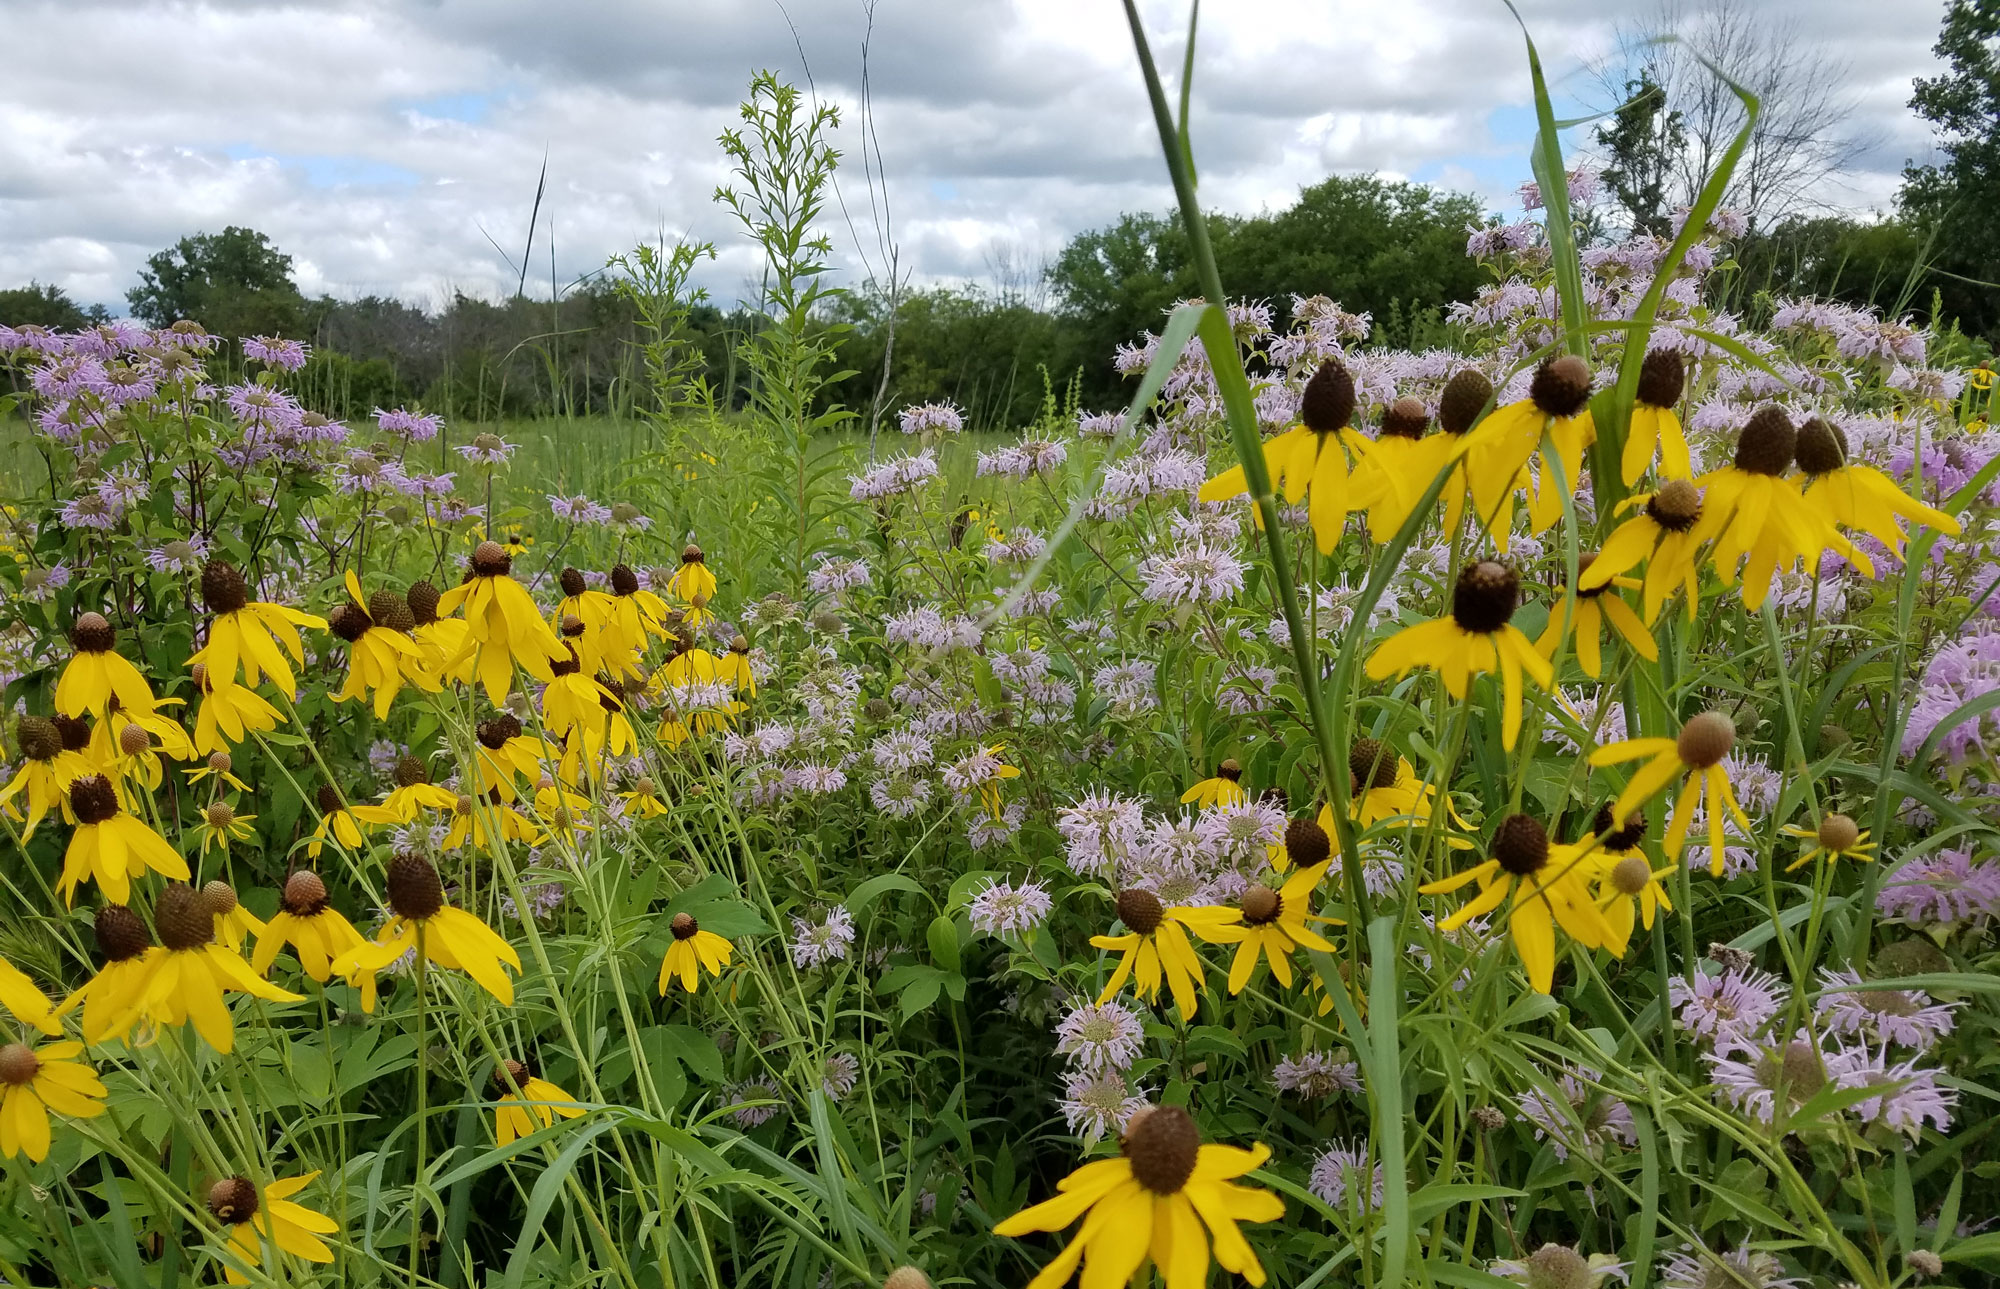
[
  {"x": 876, "y": 887},
  {"x": 943, "y": 938}
]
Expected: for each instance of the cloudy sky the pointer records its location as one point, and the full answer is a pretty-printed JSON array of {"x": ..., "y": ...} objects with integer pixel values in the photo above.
[{"x": 387, "y": 145}]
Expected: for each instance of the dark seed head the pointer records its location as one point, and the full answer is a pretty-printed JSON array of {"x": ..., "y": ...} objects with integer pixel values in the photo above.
[
  {"x": 1371, "y": 764},
  {"x": 1139, "y": 910},
  {"x": 232, "y": 1200},
  {"x": 183, "y": 918},
  {"x": 350, "y": 622},
  {"x": 490, "y": 559},
  {"x": 623, "y": 580},
  {"x": 1561, "y": 386},
  {"x": 415, "y": 889},
  {"x": 93, "y": 634},
  {"x": 1521, "y": 845},
  {"x": 1229, "y": 770},
  {"x": 219, "y": 815},
  {"x": 684, "y": 926},
  {"x": 328, "y": 797},
  {"x": 121, "y": 936},
  {"x": 1486, "y": 596},
  {"x": 691, "y": 554},
  {"x": 494, "y": 733},
  {"x": 1162, "y": 1143},
  {"x": 1328, "y": 402},
  {"x": 305, "y": 894},
  {"x": 1614, "y": 838},
  {"x": 1405, "y": 418},
  {"x": 1767, "y": 442},
  {"x": 565, "y": 666},
  {"x": 1465, "y": 395},
  {"x": 513, "y": 1074},
  {"x": 223, "y": 589},
  {"x": 1706, "y": 739},
  {"x": 572, "y": 626},
  {"x": 423, "y": 601},
  {"x": 1306, "y": 842},
  {"x": 410, "y": 772},
  {"x": 573, "y": 584},
  {"x": 1821, "y": 448},
  {"x": 40, "y": 741},
  {"x": 220, "y": 762},
  {"x": 18, "y": 1064},
  {"x": 739, "y": 644},
  {"x": 220, "y": 897},
  {"x": 1661, "y": 377},
  {"x": 1261, "y": 905},
  {"x": 383, "y": 604},
  {"x": 92, "y": 799},
  {"x": 133, "y": 739},
  {"x": 1838, "y": 832},
  {"x": 74, "y": 732},
  {"x": 1676, "y": 506}
]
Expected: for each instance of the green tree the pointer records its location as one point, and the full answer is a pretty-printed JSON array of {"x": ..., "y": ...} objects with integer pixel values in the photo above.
[
  {"x": 47, "y": 306},
  {"x": 1642, "y": 143},
  {"x": 1957, "y": 200},
  {"x": 234, "y": 283}
]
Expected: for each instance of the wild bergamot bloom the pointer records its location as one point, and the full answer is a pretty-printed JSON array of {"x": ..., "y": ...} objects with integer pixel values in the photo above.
[
  {"x": 1477, "y": 639},
  {"x": 381, "y": 655},
  {"x": 503, "y": 626},
  {"x": 1153, "y": 1200},
  {"x": 47, "y": 770},
  {"x": 232, "y": 920},
  {"x": 220, "y": 825},
  {"x": 1223, "y": 788},
  {"x": 253, "y": 635},
  {"x": 1556, "y": 410},
  {"x": 191, "y": 976},
  {"x": 1662, "y": 376},
  {"x": 236, "y": 1203},
  {"x": 111, "y": 846},
  {"x": 1660, "y": 535},
  {"x": 34, "y": 1081},
  {"x": 1386, "y": 789},
  {"x": 1698, "y": 752},
  {"x": 692, "y": 949},
  {"x": 527, "y": 1102},
  {"x": 1548, "y": 888},
  {"x": 1751, "y": 509},
  {"x": 1587, "y": 610},
  {"x": 447, "y": 936},
  {"x": 1859, "y": 497},
  {"x": 111, "y": 998},
  {"x": 1625, "y": 879},
  {"x": 1155, "y": 944},
  {"x": 228, "y": 714},
  {"x": 315, "y": 929},
  {"x": 98, "y": 672},
  {"x": 1837, "y": 837},
  {"x": 1391, "y": 478},
  {"x": 1309, "y": 460}
]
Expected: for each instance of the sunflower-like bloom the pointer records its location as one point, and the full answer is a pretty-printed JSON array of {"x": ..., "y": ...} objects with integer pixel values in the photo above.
[
  {"x": 638, "y": 617},
  {"x": 126, "y": 744},
  {"x": 503, "y": 626},
  {"x": 1751, "y": 509},
  {"x": 382, "y": 657},
  {"x": 24, "y": 999},
  {"x": 413, "y": 794},
  {"x": 573, "y": 700},
  {"x": 1655, "y": 427},
  {"x": 232, "y": 920},
  {"x": 1698, "y": 753},
  {"x": 253, "y": 635},
  {"x": 1660, "y": 535},
  {"x": 1462, "y": 405},
  {"x": 97, "y": 673},
  {"x": 1837, "y": 837},
  {"x": 47, "y": 770},
  {"x": 505, "y": 754},
  {"x": 1587, "y": 610},
  {"x": 447, "y": 936},
  {"x": 1153, "y": 1200},
  {"x": 693, "y": 582},
  {"x": 111, "y": 998},
  {"x": 692, "y": 950},
  {"x": 315, "y": 929},
  {"x": 227, "y": 715},
  {"x": 236, "y": 1203},
  {"x": 1309, "y": 460},
  {"x": 34, "y": 1081},
  {"x": 642, "y": 800},
  {"x": 1859, "y": 497},
  {"x": 187, "y": 980},
  {"x": 1274, "y": 924},
  {"x": 110, "y": 845},
  {"x": 481, "y": 827},
  {"x": 1626, "y": 883},
  {"x": 1548, "y": 886},
  {"x": 527, "y": 1102},
  {"x": 1155, "y": 945},
  {"x": 220, "y": 767},
  {"x": 443, "y": 640},
  {"x": 220, "y": 825},
  {"x": 1391, "y": 478},
  {"x": 734, "y": 667},
  {"x": 590, "y": 608},
  {"x": 337, "y": 824},
  {"x": 1477, "y": 639},
  {"x": 1387, "y": 790},
  {"x": 1223, "y": 788},
  {"x": 564, "y": 813},
  {"x": 1553, "y": 419}
]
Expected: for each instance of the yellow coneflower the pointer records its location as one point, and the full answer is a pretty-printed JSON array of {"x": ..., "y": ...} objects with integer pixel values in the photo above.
[
  {"x": 1547, "y": 886},
  {"x": 253, "y": 635},
  {"x": 413, "y": 794},
  {"x": 232, "y": 920},
  {"x": 693, "y": 582},
  {"x": 1223, "y": 788},
  {"x": 503, "y": 626},
  {"x": 637, "y": 618},
  {"x": 504, "y": 754},
  {"x": 1625, "y": 881},
  {"x": 24, "y": 999},
  {"x": 442, "y": 934},
  {"x": 529, "y": 1102},
  {"x": 563, "y": 813},
  {"x": 1477, "y": 639},
  {"x": 337, "y": 823},
  {"x": 592, "y": 743},
  {"x": 47, "y": 770},
  {"x": 1856, "y": 496},
  {"x": 315, "y": 929},
  {"x": 219, "y": 765},
  {"x": 734, "y": 667},
  {"x": 573, "y": 699},
  {"x": 382, "y": 656},
  {"x": 1154, "y": 1200},
  {"x": 1155, "y": 945},
  {"x": 235, "y": 1202},
  {"x": 1586, "y": 611},
  {"x": 1751, "y": 509},
  {"x": 1310, "y": 460},
  {"x": 1391, "y": 478},
  {"x": 1698, "y": 753},
  {"x": 110, "y": 845},
  {"x": 98, "y": 672},
  {"x": 441, "y": 639},
  {"x": 1837, "y": 837},
  {"x": 1660, "y": 535},
  {"x": 127, "y": 745},
  {"x": 591, "y": 608},
  {"x": 1463, "y": 405},
  {"x": 188, "y": 978},
  {"x": 1386, "y": 789},
  {"x": 692, "y": 949},
  {"x": 220, "y": 824},
  {"x": 111, "y": 998},
  {"x": 1655, "y": 426},
  {"x": 643, "y": 800},
  {"x": 227, "y": 715},
  {"x": 481, "y": 827},
  {"x": 1274, "y": 924},
  {"x": 1556, "y": 412},
  {"x": 34, "y": 1081}
]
